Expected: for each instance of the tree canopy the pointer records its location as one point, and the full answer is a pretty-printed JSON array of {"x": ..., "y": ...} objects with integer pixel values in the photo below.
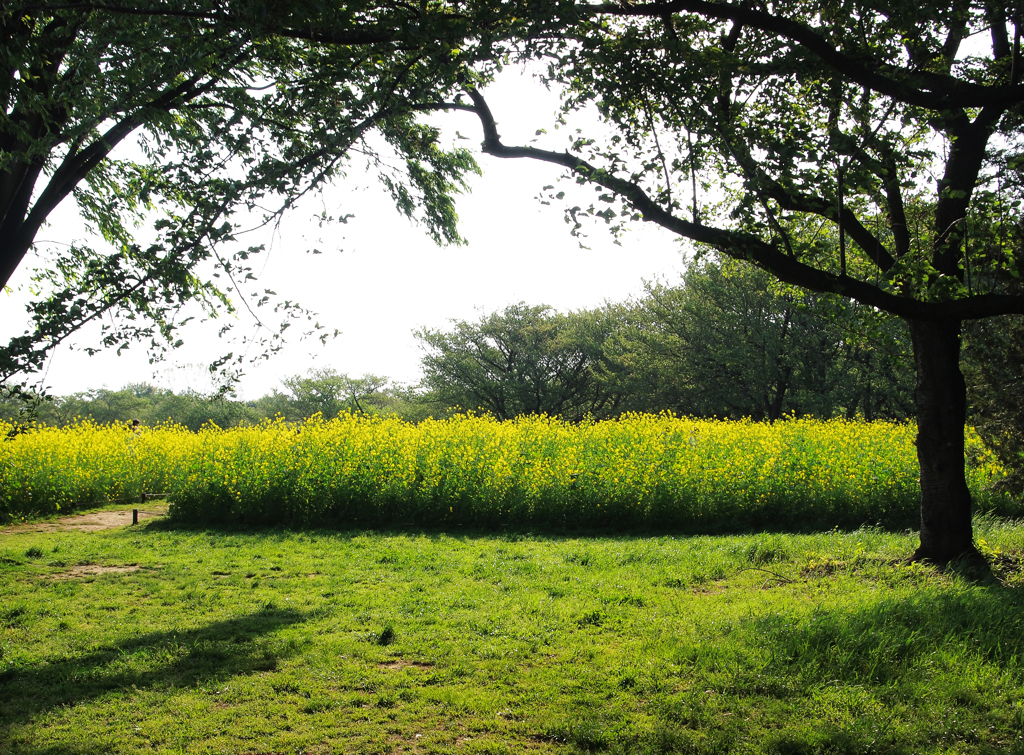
[
  {"x": 181, "y": 114},
  {"x": 523, "y": 360},
  {"x": 879, "y": 127},
  {"x": 730, "y": 341},
  {"x": 725, "y": 341}
]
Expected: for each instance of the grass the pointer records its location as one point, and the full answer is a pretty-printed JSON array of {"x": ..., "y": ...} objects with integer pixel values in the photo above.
[{"x": 163, "y": 639}]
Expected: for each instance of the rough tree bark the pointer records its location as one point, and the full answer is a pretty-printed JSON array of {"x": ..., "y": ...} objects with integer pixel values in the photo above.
[{"x": 941, "y": 399}]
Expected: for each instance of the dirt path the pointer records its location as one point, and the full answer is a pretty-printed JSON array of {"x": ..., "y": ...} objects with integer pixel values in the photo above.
[{"x": 99, "y": 520}]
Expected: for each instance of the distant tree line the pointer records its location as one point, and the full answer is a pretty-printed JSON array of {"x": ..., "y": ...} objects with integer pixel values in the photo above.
[
  {"x": 147, "y": 403},
  {"x": 729, "y": 342},
  {"x": 321, "y": 391}
]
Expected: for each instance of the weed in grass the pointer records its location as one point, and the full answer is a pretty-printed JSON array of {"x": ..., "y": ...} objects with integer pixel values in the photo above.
[
  {"x": 767, "y": 550},
  {"x": 591, "y": 619},
  {"x": 587, "y": 735},
  {"x": 579, "y": 558},
  {"x": 13, "y": 616},
  {"x": 384, "y": 637}
]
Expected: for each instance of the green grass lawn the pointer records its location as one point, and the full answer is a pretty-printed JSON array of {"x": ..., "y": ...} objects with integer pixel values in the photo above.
[{"x": 162, "y": 639}]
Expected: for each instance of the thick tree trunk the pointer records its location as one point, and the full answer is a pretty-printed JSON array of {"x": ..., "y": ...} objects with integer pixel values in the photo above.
[{"x": 941, "y": 399}]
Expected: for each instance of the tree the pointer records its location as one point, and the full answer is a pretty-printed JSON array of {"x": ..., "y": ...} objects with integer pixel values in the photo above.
[
  {"x": 232, "y": 107},
  {"x": 730, "y": 341},
  {"x": 523, "y": 360},
  {"x": 888, "y": 123},
  {"x": 996, "y": 389},
  {"x": 104, "y": 405},
  {"x": 328, "y": 392}
]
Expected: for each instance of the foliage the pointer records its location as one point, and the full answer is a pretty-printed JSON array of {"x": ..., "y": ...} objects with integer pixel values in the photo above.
[
  {"x": 523, "y": 360},
  {"x": 895, "y": 129},
  {"x": 822, "y": 124},
  {"x": 162, "y": 639},
  {"x": 733, "y": 342},
  {"x": 996, "y": 388},
  {"x": 326, "y": 392},
  {"x": 995, "y": 370},
  {"x": 141, "y": 401},
  {"x": 727, "y": 341},
  {"x": 636, "y": 472},
  {"x": 251, "y": 107},
  {"x": 322, "y": 391}
]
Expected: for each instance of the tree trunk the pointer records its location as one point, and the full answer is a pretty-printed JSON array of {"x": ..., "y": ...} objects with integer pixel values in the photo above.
[
  {"x": 941, "y": 399},
  {"x": 781, "y": 386}
]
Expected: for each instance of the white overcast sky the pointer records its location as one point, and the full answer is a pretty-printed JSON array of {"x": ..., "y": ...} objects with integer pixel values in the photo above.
[{"x": 380, "y": 277}]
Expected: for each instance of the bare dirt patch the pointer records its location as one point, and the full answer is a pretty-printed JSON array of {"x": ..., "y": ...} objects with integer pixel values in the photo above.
[
  {"x": 92, "y": 570},
  {"x": 98, "y": 520}
]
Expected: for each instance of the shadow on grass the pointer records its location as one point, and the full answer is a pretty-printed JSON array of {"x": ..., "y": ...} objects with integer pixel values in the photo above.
[
  {"x": 937, "y": 668},
  {"x": 158, "y": 660},
  {"x": 884, "y": 640},
  {"x": 509, "y": 531}
]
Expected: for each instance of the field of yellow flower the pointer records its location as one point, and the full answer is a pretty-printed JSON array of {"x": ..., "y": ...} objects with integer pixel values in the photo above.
[{"x": 637, "y": 471}]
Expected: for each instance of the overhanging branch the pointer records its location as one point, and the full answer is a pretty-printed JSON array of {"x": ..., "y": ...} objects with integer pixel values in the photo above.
[{"x": 748, "y": 247}]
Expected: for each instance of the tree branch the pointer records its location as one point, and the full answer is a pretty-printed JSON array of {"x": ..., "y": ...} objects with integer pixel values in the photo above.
[
  {"x": 78, "y": 165},
  {"x": 359, "y": 34},
  {"x": 747, "y": 247},
  {"x": 930, "y": 90}
]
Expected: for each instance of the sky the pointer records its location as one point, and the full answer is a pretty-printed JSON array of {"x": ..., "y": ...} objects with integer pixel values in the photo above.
[{"x": 380, "y": 277}]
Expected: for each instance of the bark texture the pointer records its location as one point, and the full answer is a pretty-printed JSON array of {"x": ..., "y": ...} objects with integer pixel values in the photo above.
[{"x": 941, "y": 399}]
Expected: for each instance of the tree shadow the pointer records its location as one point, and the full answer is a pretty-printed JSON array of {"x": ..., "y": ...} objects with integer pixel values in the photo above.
[
  {"x": 980, "y": 569},
  {"x": 516, "y": 531},
  {"x": 163, "y": 660},
  {"x": 67, "y": 748},
  {"x": 879, "y": 643},
  {"x": 939, "y": 648}
]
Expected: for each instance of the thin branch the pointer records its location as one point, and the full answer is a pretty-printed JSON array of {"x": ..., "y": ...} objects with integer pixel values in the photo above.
[
  {"x": 661, "y": 154},
  {"x": 430, "y": 106}
]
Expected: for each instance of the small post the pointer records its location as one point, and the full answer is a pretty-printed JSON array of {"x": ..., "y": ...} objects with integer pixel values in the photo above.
[{"x": 135, "y": 516}]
